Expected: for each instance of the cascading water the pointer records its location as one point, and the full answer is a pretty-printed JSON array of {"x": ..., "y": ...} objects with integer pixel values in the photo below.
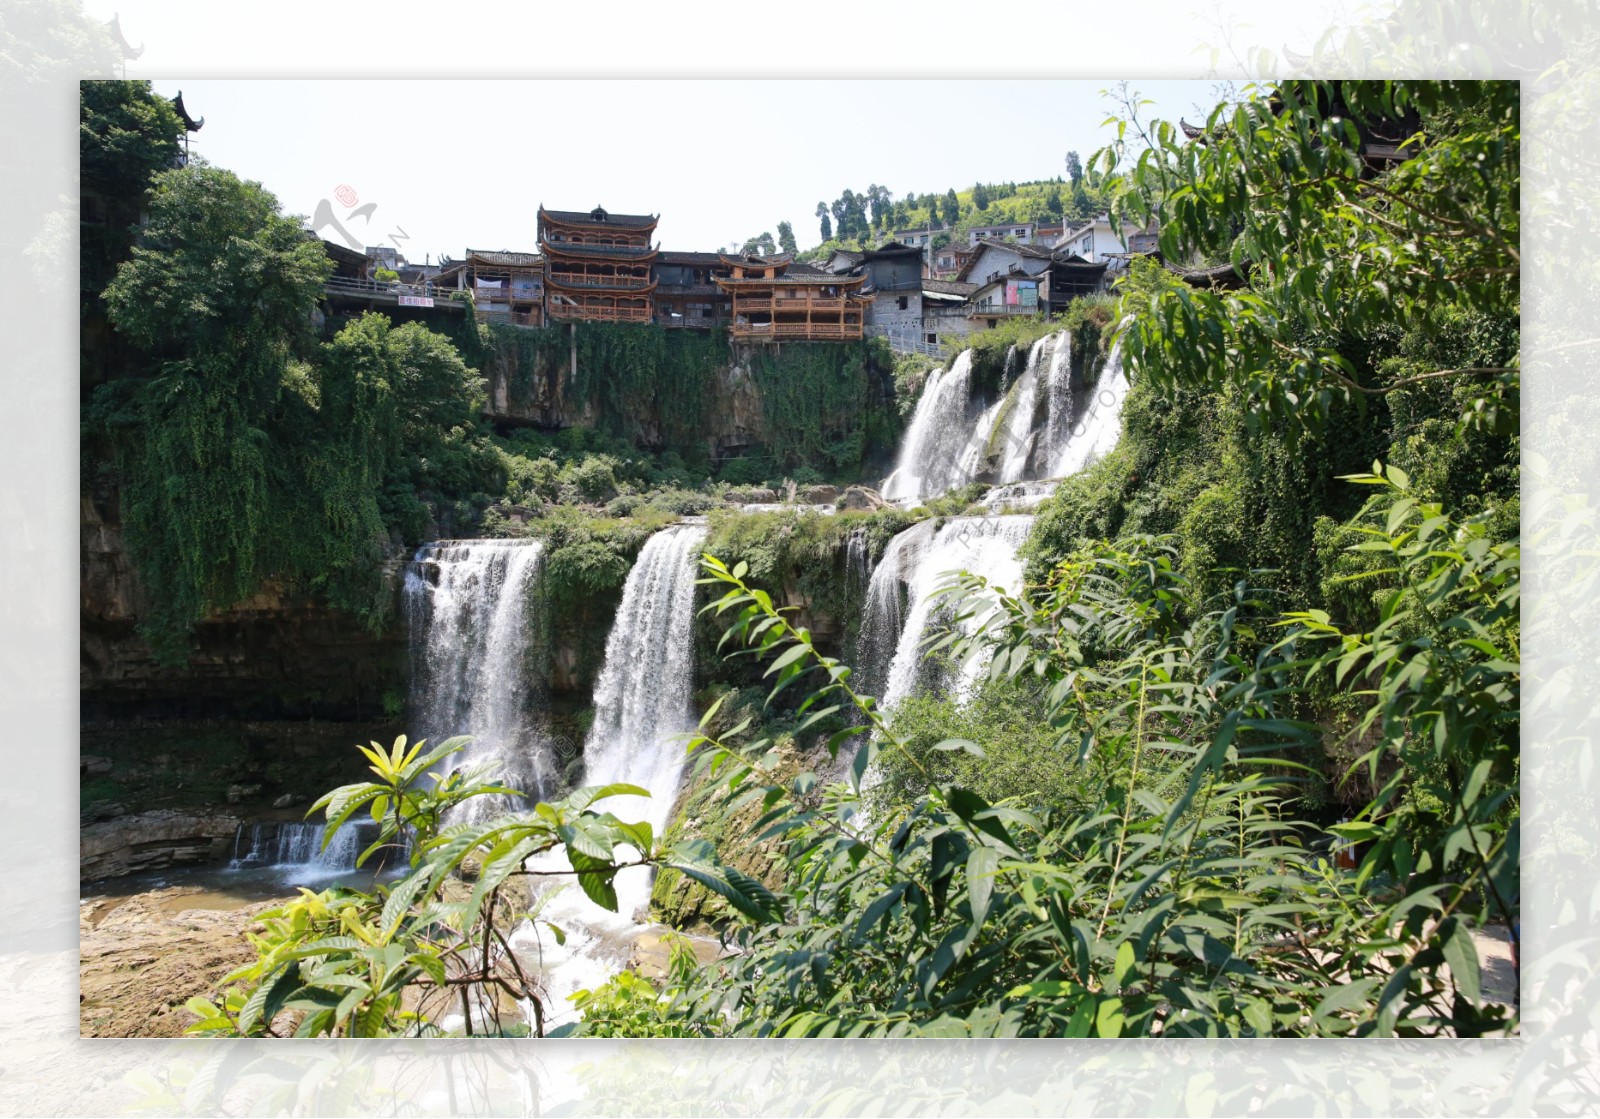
[
  {"x": 941, "y": 427},
  {"x": 884, "y": 616},
  {"x": 644, "y": 697},
  {"x": 985, "y": 546},
  {"x": 1017, "y": 448},
  {"x": 1095, "y": 430},
  {"x": 1058, "y": 402},
  {"x": 298, "y": 846},
  {"x": 471, "y": 609},
  {"x": 644, "y": 694}
]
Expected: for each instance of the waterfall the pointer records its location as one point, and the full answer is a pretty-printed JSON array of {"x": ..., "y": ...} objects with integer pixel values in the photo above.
[
  {"x": 644, "y": 697},
  {"x": 644, "y": 694},
  {"x": 299, "y": 845},
  {"x": 984, "y": 546},
  {"x": 1095, "y": 430},
  {"x": 1038, "y": 429},
  {"x": 1058, "y": 404},
  {"x": 471, "y": 612},
  {"x": 884, "y": 615},
  {"x": 1019, "y": 438},
  {"x": 940, "y": 430}
]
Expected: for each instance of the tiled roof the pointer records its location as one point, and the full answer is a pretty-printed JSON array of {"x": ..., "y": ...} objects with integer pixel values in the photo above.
[
  {"x": 504, "y": 258},
  {"x": 949, "y": 287},
  {"x": 599, "y": 216},
  {"x": 569, "y": 248},
  {"x": 666, "y": 257}
]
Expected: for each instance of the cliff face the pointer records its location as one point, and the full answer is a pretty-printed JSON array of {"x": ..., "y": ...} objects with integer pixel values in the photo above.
[
  {"x": 539, "y": 388},
  {"x": 273, "y": 657}
]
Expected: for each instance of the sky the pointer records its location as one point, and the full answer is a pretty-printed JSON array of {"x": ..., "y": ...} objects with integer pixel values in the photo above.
[{"x": 435, "y": 167}]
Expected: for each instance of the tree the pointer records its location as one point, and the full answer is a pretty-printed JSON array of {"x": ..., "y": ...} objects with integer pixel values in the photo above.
[
  {"x": 762, "y": 244},
  {"x": 878, "y": 198},
  {"x": 1052, "y": 203},
  {"x": 126, "y": 134},
  {"x": 1074, "y": 167},
  {"x": 786, "y": 240},
  {"x": 827, "y": 225},
  {"x": 244, "y": 450},
  {"x": 1082, "y": 206},
  {"x": 952, "y": 207},
  {"x": 980, "y": 197},
  {"x": 1438, "y": 229}
]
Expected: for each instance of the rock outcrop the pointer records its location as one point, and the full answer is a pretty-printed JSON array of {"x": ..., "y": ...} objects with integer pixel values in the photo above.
[{"x": 152, "y": 841}]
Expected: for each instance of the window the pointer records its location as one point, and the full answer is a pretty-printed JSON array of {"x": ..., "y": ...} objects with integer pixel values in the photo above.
[
  {"x": 931, "y": 338},
  {"x": 904, "y": 302}
]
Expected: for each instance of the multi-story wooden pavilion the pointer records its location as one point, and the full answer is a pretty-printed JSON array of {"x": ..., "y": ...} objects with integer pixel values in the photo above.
[
  {"x": 774, "y": 299},
  {"x": 597, "y": 265}
]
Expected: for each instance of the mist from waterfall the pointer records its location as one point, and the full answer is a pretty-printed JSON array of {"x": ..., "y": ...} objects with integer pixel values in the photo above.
[{"x": 472, "y": 608}]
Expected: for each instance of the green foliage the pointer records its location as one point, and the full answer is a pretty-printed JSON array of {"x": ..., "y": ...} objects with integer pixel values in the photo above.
[
  {"x": 385, "y": 275},
  {"x": 803, "y": 553},
  {"x": 1184, "y": 902},
  {"x": 627, "y": 1005},
  {"x": 584, "y": 568},
  {"x": 248, "y": 455},
  {"x": 126, "y": 134},
  {"x": 826, "y": 405},
  {"x": 347, "y": 963},
  {"x": 786, "y": 241},
  {"x": 1334, "y": 251},
  {"x": 1019, "y": 760}
]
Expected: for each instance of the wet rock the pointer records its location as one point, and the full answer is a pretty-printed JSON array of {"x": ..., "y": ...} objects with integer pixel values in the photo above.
[
  {"x": 820, "y": 495},
  {"x": 104, "y": 810},
  {"x": 152, "y": 841},
  {"x": 284, "y": 801},
  {"x": 239, "y": 793},
  {"x": 862, "y": 498},
  {"x": 93, "y": 765},
  {"x": 142, "y": 958}
]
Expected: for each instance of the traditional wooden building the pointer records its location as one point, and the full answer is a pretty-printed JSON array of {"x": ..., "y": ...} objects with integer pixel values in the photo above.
[
  {"x": 774, "y": 299},
  {"x": 687, "y": 294},
  {"x": 506, "y": 286},
  {"x": 597, "y": 265}
]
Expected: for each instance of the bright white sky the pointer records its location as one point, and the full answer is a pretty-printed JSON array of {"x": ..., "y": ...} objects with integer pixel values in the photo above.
[{"x": 455, "y": 164}]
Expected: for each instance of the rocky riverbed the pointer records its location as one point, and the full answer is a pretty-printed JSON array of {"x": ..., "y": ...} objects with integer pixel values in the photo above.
[{"x": 141, "y": 957}]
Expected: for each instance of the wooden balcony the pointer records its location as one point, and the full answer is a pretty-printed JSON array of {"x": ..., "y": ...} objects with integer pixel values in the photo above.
[
  {"x": 833, "y": 306},
  {"x": 617, "y": 283},
  {"x": 561, "y": 312},
  {"x": 797, "y": 331}
]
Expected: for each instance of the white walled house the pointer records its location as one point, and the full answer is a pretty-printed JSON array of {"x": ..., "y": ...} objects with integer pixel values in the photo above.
[
  {"x": 1096, "y": 241},
  {"x": 1021, "y": 231}
]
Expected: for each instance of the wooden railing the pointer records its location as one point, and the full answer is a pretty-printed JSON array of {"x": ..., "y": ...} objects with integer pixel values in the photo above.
[
  {"x": 345, "y": 285},
  {"x": 816, "y": 331},
  {"x": 568, "y": 313},
  {"x": 747, "y": 306},
  {"x": 986, "y": 310},
  {"x": 623, "y": 282},
  {"x": 908, "y": 341},
  {"x": 693, "y": 321}
]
